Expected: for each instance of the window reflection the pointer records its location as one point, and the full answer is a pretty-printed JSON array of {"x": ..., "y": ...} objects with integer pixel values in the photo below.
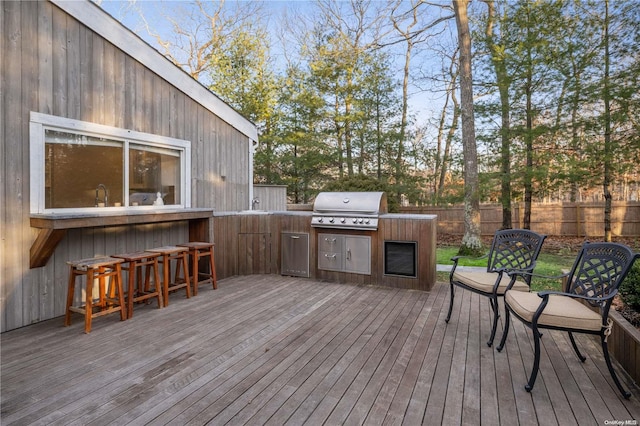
[
  {"x": 78, "y": 168},
  {"x": 75, "y": 165},
  {"x": 153, "y": 170}
]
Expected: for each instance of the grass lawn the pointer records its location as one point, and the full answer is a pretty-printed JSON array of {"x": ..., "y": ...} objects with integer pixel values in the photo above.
[{"x": 549, "y": 264}]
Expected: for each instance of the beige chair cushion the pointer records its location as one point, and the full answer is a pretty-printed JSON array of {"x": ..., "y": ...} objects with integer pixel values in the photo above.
[
  {"x": 561, "y": 311},
  {"x": 484, "y": 281}
]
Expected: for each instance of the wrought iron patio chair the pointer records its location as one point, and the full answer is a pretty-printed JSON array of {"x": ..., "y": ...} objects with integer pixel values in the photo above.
[
  {"x": 511, "y": 250},
  {"x": 592, "y": 282}
]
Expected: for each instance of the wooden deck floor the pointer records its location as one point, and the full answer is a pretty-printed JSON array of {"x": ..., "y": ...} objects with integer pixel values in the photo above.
[{"x": 277, "y": 350}]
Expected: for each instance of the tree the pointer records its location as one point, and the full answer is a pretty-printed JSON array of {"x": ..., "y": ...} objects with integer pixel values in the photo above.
[
  {"x": 240, "y": 73},
  {"x": 445, "y": 137},
  {"x": 302, "y": 155},
  {"x": 606, "y": 97},
  {"x": 471, "y": 241},
  {"x": 498, "y": 50},
  {"x": 199, "y": 29}
]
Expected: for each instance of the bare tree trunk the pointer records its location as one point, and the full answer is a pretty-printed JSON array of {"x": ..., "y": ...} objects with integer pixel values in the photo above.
[
  {"x": 471, "y": 241},
  {"x": 446, "y": 157},
  {"x": 348, "y": 146},
  {"x": 443, "y": 156},
  {"x": 339, "y": 142},
  {"x": 528, "y": 178},
  {"x": 607, "y": 130}
]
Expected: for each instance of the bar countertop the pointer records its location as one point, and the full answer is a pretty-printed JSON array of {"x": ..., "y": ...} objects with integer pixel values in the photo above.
[{"x": 116, "y": 217}]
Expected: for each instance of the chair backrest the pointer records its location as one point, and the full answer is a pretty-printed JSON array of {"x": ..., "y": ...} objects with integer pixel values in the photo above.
[
  {"x": 514, "y": 249},
  {"x": 599, "y": 269}
]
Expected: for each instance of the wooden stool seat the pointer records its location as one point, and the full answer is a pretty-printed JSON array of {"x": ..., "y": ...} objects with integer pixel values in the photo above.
[
  {"x": 198, "y": 250},
  {"x": 167, "y": 254},
  {"x": 136, "y": 292},
  {"x": 96, "y": 268}
]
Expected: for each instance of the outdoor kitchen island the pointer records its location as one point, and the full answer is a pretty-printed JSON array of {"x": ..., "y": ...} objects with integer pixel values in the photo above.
[{"x": 401, "y": 250}]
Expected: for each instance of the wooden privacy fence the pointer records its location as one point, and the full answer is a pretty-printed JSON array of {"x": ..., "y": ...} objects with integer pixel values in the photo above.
[{"x": 569, "y": 219}]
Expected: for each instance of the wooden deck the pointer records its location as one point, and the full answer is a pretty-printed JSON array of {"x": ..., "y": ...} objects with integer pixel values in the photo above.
[{"x": 267, "y": 349}]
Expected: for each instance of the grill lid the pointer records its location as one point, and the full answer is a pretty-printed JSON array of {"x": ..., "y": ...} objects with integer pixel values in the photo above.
[
  {"x": 348, "y": 210},
  {"x": 367, "y": 203}
]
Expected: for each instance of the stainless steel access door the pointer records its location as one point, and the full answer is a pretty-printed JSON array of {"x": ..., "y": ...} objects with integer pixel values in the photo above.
[{"x": 295, "y": 254}]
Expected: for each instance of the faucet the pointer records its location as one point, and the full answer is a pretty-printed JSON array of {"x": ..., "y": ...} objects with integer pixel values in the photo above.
[
  {"x": 254, "y": 202},
  {"x": 106, "y": 194}
]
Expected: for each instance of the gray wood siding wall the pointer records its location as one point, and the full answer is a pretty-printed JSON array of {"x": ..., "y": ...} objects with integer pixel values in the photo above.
[
  {"x": 271, "y": 197},
  {"x": 53, "y": 64}
]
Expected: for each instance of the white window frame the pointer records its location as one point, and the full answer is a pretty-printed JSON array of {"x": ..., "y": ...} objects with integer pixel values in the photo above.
[{"x": 39, "y": 123}]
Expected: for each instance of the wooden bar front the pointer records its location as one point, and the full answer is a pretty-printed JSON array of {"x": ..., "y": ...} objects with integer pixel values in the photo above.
[{"x": 250, "y": 244}]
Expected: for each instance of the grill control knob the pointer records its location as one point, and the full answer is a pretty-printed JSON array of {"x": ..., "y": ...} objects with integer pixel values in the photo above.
[
  {"x": 355, "y": 220},
  {"x": 360, "y": 220},
  {"x": 319, "y": 220},
  {"x": 331, "y": 220},
  {"x": 343, "y": 220},
  {"x": 367, "y": 221}
]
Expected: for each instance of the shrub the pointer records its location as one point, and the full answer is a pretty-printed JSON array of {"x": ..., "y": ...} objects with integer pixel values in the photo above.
[{"x": 630, "y": 288}]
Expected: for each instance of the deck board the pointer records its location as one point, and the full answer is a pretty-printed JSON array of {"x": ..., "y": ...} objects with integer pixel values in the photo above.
[{"x": 266, "y": 349}]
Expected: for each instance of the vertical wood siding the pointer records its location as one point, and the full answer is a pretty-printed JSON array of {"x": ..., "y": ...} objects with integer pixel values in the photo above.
[{"x": 53, "y": 64}]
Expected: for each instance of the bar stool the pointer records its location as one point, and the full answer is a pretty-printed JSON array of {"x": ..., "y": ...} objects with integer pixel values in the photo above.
[
  {"x": 133, "y": 263},
  {"x": 167, "y": 254},
  {"x": 196, "y": 251},
  {"x": 96, "y": 268}
]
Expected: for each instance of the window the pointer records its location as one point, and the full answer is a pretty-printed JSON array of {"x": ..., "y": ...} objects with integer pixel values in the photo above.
[{"x": 85, "y": 166}]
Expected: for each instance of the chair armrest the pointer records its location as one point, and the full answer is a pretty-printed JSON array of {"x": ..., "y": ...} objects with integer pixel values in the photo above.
[
  {"x": 455, "y": 260},
  {"x": 531, "y": 274},
  {"x": 545, "y": 295},
  {"x": 528, "y": 273}
]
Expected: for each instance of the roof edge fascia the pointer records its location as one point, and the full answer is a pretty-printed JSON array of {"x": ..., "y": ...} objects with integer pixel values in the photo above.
[{"x": 112, "y": 30}]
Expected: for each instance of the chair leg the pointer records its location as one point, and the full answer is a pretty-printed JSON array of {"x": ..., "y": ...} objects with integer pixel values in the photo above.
[
  {"x": 536, "y": 360},
  {"x": 88, "y": 302},
  {"x": 575, "y": 348},
  {"x": 158, "y": 285},
  {"x": 450, "y": 304},
  {"x": 493, "y": 301},
  {"x": 70, "y": 293},
  {"x": 605, "y": 350},
  {"x": 185, "y": 267},
  {"x": 118, "y": 283},
  {"x": 212, "y": 267},
  {"x": 505, "y": 331}
]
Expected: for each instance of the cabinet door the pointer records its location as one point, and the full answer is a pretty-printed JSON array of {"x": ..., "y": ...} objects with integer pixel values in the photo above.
[
  {"x": 295, "y": 254},
  {"x": 357, "y": 254},
  {"x": 254, "y": 254},
  {"x": 330, "y": 252},
  {"x": 330, "y": 242}
]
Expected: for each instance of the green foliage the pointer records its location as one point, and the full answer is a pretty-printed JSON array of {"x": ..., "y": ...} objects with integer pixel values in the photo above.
[
  {"x": 363, "y": 183},
  {"x": 630, "y": 288}
]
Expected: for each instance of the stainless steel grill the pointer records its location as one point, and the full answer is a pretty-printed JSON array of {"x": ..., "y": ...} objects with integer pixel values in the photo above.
[{"x": 348, "y": 210}]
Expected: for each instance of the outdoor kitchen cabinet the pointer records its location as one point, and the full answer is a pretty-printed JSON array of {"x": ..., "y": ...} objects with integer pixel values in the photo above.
[
  {"x": 344, "y": 253},
  {"x": 295, "y": 254}
]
